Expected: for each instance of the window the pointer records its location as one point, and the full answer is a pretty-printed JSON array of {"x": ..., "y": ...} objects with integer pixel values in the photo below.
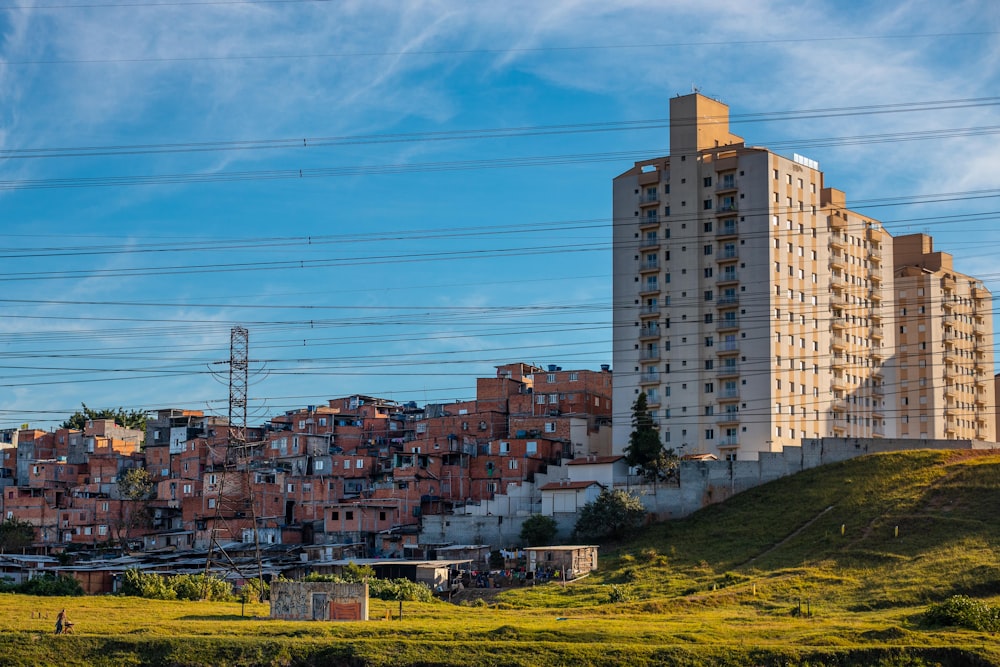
[
  {"x": 550, "y": 427},
  {"x": 550, "y": 378},
  {"x": 512, "y": 464},
  {"x": 334, "y": 515},
  {"x": 707, "y": 250},
  {"x": 540, "y": 399},
  {"x": 573, "y": 377},
  {"x": 318, "y": 465},
  {"x": 707, "y": 181},
  {"x": 709, "y": 387},
  {"x": 349, "y": 515}
]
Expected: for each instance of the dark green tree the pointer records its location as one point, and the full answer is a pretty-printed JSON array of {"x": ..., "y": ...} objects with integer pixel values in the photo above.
[
  {"x": 645, "y": 449},
  {"x": 129, "y": 419},
  {"x": 538, "y": 530},
  {"x": 16, "y": 534},
  {"x": 613, "y": 515}
]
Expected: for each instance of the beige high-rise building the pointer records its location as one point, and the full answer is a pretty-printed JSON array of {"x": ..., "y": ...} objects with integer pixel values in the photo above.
[
  {"x": 750, "y": 305},
  {"x": 944, "y": 350}
]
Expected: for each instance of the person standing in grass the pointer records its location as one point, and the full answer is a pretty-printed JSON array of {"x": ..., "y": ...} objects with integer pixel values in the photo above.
[{"x": 61, "y": 622}]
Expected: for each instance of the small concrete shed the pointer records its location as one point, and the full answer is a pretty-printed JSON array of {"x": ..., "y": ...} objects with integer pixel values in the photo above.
[{"x": 319, "y": 601}]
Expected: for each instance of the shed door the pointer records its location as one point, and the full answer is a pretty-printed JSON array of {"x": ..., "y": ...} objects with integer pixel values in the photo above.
[{"x": 319, "y": 601}]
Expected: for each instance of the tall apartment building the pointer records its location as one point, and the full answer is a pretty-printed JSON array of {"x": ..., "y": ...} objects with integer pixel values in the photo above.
[
  {"x": 945, "y": 346},
  {"x": 749, "y": 302}
]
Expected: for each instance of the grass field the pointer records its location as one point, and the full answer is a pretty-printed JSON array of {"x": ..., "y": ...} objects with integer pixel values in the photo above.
[{"x": 833, "y": 566}]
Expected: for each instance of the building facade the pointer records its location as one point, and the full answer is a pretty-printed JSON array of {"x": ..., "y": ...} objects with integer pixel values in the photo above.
[
  {"x": 750, "y": 302},
  {"x": 945, "y": 346}
]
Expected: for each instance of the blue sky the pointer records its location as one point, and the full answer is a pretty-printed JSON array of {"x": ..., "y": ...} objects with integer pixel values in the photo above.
[{"x": 149, "y": 198}]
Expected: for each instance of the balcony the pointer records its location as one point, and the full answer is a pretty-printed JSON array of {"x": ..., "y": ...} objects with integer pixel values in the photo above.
[
  {"x": 728, "y": 324},
  {"x": 728, "y": 394},
  {"x": 652, "y": 398},
  {"x": 649, "y": 198},
  {"x": 649, "y": 332},
  {"x": 728, "y": 277},
  {"x": 838, "y": 322},
  {"x": 649, "y": 355},
  {"x": 875, "y": 253},
  {"x": 649, "y": 265},
  {"x": 727, "y": 300},
  {"x": 837, "y": 341},
  {"x": 726, "y": 207},
  {"x": 837, "y": 242},
  {"x": 729, "y": 441},
  {"x": 727, "y": 347},
  {"x": 950, "y": 355},
  {"x": 650, "y": 377},
  {"x": 725, "y": 184},
  {"x": 649, "y": 221},
  {"x": 837, "y": 360},
  {"x": 727, "y": 255},
  {"x": 649, "y": 309},
  {"x": 649, "y": 289},
  {"x": 838, "y": 384},
  {"x": 727, "y": 418},
  {"x": 837, "y": 261},
  {"x": 838, "y": 405},
  {"x": 649, "y": 242},
  {"x": 724, "y": 230},
  {"x": 728, "y": 370},
  {"x": 949, "y": 391},
  {"x": 980, "y": 292},
  {"x": 877, "y": 332}
]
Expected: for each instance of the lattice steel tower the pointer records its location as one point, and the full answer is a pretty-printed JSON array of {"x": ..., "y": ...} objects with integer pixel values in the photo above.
[{"x": 235, "y": 516}]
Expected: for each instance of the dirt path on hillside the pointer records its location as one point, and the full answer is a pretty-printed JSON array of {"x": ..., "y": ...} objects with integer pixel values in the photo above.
[{"x": 788, "y": 537}]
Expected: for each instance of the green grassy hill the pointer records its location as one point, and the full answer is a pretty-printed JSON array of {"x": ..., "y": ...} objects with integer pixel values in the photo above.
[{"x": 833, "y": 566}]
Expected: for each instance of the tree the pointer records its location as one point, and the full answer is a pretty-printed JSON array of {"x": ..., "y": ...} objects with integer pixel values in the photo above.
[
  {"x": 16, "y": 534},
  {"x": 131, "y": 419},
  {"x": 645, "y": 450},
  {"x": 613, "y": 515},
  {"x": 538, "y": 530},
  {"x": 134, "y": 488}
]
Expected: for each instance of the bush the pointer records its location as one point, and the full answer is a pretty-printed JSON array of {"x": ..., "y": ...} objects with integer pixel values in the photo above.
[
  {"x": 47, "y": 584},
  {"x": 619, "y": 593},
  {"x": 964, "y": 612},
  {"x": 383, "y": 589},
  {"x": 538, "y": 530},
  {"x": 146, "y": 585},
  {"x": 182, "y": 586}
]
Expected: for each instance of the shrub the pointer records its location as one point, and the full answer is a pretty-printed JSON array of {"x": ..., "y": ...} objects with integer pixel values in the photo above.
[
  {"x": 964, "y": 612},
  {"x": 538, "y": 530},
  {"x": 384, "y": 589},
  {"x": 399, "y": 589},
  {"x": 619, "y": 593},
  {"x": 200, "y": 587},
  {"x": 47, "y": 584},
  {"x": 146, "y": 585}
]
